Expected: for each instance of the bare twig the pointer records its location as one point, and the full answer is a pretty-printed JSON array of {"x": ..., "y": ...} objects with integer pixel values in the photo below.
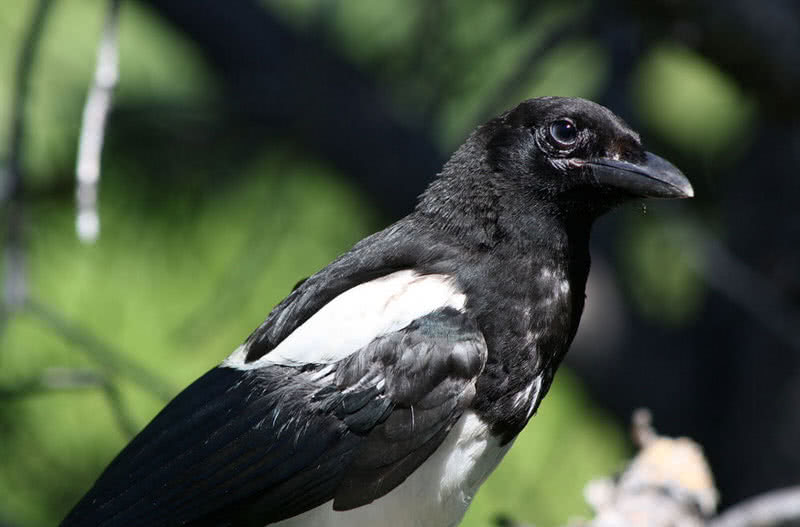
[
  {"x": 11, "y": 185},
  {"x": 53, "y": 379},
  {"x": 667, "y": 484},
  {"x": 642, "y": 429},
  {"x": 125, "y": 420},
  {"x": 57, "y": 379},
  {"x": 99, "y": 351},
  {"x": 93, "y": 125},
  {"x": 769, "y": 509}
]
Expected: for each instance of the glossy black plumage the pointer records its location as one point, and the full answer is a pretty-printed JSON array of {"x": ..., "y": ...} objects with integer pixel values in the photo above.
[
  {"x": 502, "y": 236},
  {"x": 253, "y": 447}
]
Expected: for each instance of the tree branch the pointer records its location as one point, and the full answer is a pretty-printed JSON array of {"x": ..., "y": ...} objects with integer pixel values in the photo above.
[
  {"x": 54, "y": 379},
  {"x": 95, "y": 112},
  {"x": 294, "y": 84},
  {"x": 99, "y": 351},
  {"x": 769, "y": 509},
  {"x": 11, "y": 185}
]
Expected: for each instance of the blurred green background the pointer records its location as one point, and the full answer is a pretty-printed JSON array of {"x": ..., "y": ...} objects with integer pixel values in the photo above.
[{"x": 211, "y": 210}]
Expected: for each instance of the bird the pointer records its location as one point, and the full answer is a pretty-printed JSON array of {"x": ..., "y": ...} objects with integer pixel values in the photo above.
[{"x": 386, "y": 387}]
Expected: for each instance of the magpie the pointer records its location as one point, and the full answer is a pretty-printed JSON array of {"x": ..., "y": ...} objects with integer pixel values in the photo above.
[{"x": 386, "y": 387}]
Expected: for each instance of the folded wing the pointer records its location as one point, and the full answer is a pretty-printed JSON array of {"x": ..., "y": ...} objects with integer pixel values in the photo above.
[{"x": 250, "y": 445}]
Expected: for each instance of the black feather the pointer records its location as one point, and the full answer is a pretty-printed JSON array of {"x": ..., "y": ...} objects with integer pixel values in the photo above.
[{"x": 252, "y": 447}]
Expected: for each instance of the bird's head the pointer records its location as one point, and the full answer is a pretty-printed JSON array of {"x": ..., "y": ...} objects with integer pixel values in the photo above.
[
  {"x": 573, "y": 150},
  {"x": 560, "y": 158}
]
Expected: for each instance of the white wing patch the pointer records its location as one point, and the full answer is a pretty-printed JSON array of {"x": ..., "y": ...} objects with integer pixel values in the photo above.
[{"x": 356, "y": 317}]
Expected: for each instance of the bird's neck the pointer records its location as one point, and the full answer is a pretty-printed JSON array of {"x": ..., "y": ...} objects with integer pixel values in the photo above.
[
  {"x": 481, "y": 209},
  {"x": 474, "y": 214},
  {"x": 527, "y": 275}
]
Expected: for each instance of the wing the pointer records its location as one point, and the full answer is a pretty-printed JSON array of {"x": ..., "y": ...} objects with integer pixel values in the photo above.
[{"x": 249, "y": 445}]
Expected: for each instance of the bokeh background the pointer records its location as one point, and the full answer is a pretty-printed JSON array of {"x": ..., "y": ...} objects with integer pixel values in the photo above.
[{"x": 251, "y": 142}]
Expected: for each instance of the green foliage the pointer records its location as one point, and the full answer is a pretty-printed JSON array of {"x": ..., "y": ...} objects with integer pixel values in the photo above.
[
  {"x": 691, "y": 102},
  {"x": 175, "y": 292},
  {"x": 202, "y": 236},
  {"x": 455, "y": 62},
  {"x": 155, "y": 64},
  {"x": 658, "y": 263}
]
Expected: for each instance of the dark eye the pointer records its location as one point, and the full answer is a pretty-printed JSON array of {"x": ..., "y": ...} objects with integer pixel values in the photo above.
[{"x": 564, "y": 132}]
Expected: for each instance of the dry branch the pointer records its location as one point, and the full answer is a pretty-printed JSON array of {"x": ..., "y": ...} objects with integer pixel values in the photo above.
[
  {"x": 669, "y": 484},
  {"x": 95, "y": 113}
]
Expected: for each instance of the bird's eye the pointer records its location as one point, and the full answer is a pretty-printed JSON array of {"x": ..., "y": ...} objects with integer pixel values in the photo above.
[{"x": 564, "y": 132}]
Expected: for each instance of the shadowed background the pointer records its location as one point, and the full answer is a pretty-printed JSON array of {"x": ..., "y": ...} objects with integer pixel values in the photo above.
[{"x": 252, "y": 142}]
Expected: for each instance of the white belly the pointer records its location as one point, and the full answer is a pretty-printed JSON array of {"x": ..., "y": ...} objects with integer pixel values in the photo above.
[{"x": 437, "y": 494}]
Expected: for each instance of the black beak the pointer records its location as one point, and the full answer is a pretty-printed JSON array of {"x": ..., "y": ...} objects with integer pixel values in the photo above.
[{"x": 654, "y": 178}]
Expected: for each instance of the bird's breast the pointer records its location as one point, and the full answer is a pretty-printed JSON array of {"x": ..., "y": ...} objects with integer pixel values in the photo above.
[{"x": 528, "y": 322}]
